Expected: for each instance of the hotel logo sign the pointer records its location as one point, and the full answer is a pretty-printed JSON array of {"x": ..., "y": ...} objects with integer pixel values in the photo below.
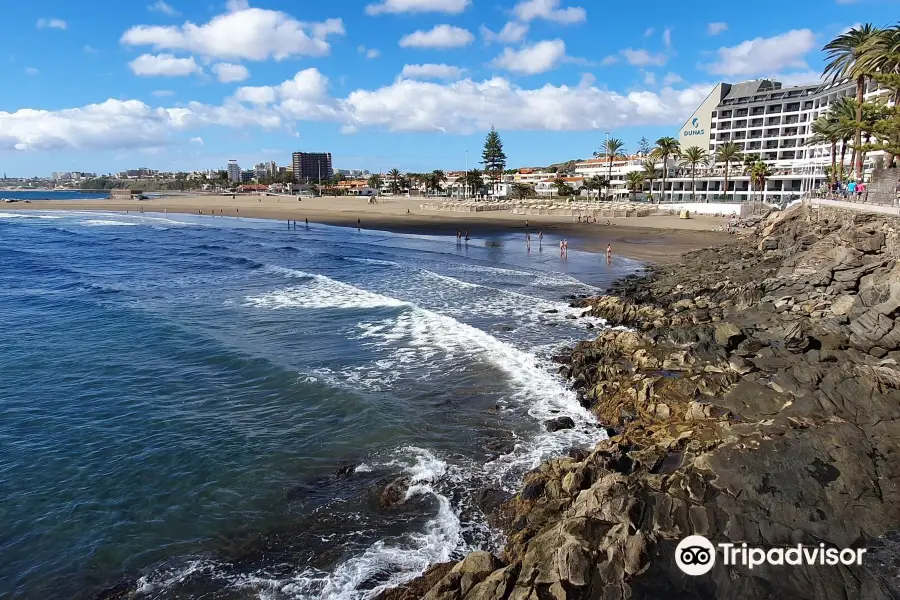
[{"x": 694, "y": 129}]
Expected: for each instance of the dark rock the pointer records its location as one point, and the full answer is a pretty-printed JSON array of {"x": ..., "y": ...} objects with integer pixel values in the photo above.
[
  {"x": 559, "y": 423},
  {"x": 394, "y": 493}
]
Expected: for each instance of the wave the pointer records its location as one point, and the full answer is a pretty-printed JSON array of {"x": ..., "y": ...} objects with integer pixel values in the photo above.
[
  {"x": 4, "y": 215},
  {"x": 324, "y": 293},
  {"x": 372, "y": 261},
  {"x": 106, "y": 223}
]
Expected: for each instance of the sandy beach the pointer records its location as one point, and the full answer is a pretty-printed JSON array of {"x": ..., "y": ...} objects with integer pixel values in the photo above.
[{"x": 657, "y": 239}]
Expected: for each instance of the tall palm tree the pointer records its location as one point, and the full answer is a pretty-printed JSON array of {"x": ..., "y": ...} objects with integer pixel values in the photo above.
[
  {"x": 728, "y": 153},
  {"x": 597, "y": 182},
  {"x": 611, "y": 149},
  {"x": 666, "y": 148},
  {"x": 394, "y": 175},
  {"x": 474, "y": 181},
  {"x": 522, "y": 190},
  {"x": 437, "y": 178},
  {"x": 561, "y": 186},
  {"x": 376, "y": 182},
  {"x": 826, "y": 131},
  {"x": 847, "y": 59},
  {"x": 759, "y": 172},
  {"x": 842, "y": 113},
  {"x": 635, "y": 180},
  {"x": 693, "y": 156},
  {"x": 650, "y": 172}
]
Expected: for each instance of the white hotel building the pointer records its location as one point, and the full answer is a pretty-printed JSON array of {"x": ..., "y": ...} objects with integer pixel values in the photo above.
[{"x": 762, "y": 118}]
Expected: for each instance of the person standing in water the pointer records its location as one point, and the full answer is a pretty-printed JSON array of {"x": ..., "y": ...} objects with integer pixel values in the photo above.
[
  {"x": 467, "y": 235},
  {"x": 306, "y": 220},
  {"x": 358, "y": 225},
  {"x": 608, "y": 253}
]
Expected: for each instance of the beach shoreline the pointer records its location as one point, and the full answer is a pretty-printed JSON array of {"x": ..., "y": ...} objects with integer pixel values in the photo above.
[{"x": 654, "y": 239}]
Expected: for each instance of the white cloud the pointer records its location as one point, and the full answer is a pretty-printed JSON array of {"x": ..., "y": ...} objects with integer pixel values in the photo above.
[
  {"x": 512, "y": 33},
  {"x": 648, "y": 32},
  {"x": 453, "y": 7},
  {"x": 459, "y": 107},
  {"x": 642, "y": 58},
  {"x": 369, "y": 52},
  {"x": 431, "y": 71},
  {"x": 90, "y": 49},
  {"x": 164, "y": 65},
  {"x": 528, "y": 10},
  {"x": 229, "y": 73},
  {"x": 31, "y": 71},
  {"x": 236, "y": 5},
  {"x": 799, "y": 78},
  {"x": 667, "y": 38},
  {"x": 530, "y": 60},
  {"x": 649, "y": 78},
  {"x": 163, "y": 93},
  {"x": 716, "y": 28},
  {"x": 672, "y": 78},
  {"x": 163, "y": 7},
  {"x": 609, "y": 60},
  {"x": 51, "y": 24},
  {"x": 442, "y": 36},
  {"x": 196, "y": 140},
  {"x": 244, "y": 33},
  {"x": 763, "y": 56}
]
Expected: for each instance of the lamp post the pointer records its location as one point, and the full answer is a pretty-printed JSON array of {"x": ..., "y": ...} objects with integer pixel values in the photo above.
[{"x": 466, "y": 178}]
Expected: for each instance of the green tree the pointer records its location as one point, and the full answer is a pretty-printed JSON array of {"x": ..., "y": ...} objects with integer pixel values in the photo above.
[
  {"x": 826, "y": 131},
  {"x": 493, "y": 158},
  {"x": 612, "y": 149},
  {"x": 847, "y": 59},
  {"x": 650, "y": 172},
  {"x": 597, "y": 182},
  {"x": 693, "y": 156},
  {"x": 394, "y": 178},
  {"x": 436, "y": 179},
  {"x": 644, "y": 147},
  {"x": 635, "y": 181},
  {"x": 727, "y": 153},
  {"x": 666, "y": 148},
  {"x": 759, "y": 173},
  {"x": 376, "y": 181},
  {"x": 474, "y": 182},
  {"x": 562, "y": 187},
  {"x": 522, "y": 191}
]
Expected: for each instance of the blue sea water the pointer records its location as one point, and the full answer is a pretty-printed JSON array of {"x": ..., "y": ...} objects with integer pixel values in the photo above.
[
  {"x": 201, "y": 407},
  {"x": 32, "y": 195}
]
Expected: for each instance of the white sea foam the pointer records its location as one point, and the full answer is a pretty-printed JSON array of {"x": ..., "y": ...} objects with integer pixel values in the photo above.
[
  {"x": 323, "y": 292},
  {"x": 106, "y": 223},
  {"x": 372, "y": 261},
  {"x": 27, "y": 216}
]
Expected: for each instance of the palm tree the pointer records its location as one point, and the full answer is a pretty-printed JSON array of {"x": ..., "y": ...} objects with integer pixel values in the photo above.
[
  {"x": 474, "y": 181},
  {"x": 650, "y": 172},
  {"x": 847, "y": 59},
  {"x": 561, "y": 186},
  {"x": 394, "y": 175},
  {"x": 522, "y": 190},
  {"x": 826, "y": 130},
  {"x": 376, "y": 182},
  {"x": 727, "y": 153},
  {"x": 759, "y": 172},
  {"x": 635, "y": 180},
  {"x": 597, "y": 182},
  {"x": 666, "y": 148},
  {"x": 693, "y": 156},
  {"x": 842, "y": 113},
  {"x": 611, "y": 149},
  {"x": 436, "y": 178}
]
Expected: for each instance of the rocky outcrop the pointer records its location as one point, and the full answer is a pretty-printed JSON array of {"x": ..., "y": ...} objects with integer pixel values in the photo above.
[{"x": 755, "y": 398}]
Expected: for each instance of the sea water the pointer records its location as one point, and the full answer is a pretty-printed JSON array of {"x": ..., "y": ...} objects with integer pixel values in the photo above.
[{"x": 199, "y": 407}]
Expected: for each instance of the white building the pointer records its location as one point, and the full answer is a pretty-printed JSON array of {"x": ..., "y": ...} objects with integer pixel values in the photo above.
[
  {"x": 762, "y": 118},
  {"x": 234, "y": 171}
]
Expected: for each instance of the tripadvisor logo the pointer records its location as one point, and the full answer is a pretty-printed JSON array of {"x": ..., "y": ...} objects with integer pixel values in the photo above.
[
  {"x": 695, "y": 124},
  {"x": 696, "y": 555}
]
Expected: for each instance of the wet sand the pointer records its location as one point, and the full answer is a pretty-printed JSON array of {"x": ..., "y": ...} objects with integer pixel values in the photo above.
[{"x": 656, "y": 239}]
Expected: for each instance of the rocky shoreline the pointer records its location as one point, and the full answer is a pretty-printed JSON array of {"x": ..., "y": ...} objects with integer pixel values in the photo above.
[{"x": 754, "y": 397}]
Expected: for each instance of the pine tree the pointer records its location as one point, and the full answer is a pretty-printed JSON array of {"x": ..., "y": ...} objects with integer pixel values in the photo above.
[
  {"x": 644, "y": 147},
  {"x": 493, "y": 158}
]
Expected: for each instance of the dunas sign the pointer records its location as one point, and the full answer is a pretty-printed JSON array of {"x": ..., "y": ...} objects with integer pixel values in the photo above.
[{"x": 693, "y": 129}]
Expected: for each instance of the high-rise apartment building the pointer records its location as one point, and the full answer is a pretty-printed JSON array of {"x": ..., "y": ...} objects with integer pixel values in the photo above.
[
  {"x": 234, "y": 171},
  {"x": 310, "y": 167}
]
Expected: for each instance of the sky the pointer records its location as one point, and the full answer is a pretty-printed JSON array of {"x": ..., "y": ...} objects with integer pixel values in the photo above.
[{"x": 409, "y": 84}]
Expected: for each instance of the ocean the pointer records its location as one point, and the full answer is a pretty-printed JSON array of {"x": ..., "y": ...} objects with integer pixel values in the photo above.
[
  {"x": 202, "y": 407},
  {"x": 32, "y": 195}
]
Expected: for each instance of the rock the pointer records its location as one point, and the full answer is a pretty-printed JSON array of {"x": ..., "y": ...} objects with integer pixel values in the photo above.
[
  {"x": 739, "y": 365},
  {"x": 394, "y": 493},
  {"x": 728, "y": 335},
  {"x": 559, "y": 423},
  {"x": 842, "y": 305}
]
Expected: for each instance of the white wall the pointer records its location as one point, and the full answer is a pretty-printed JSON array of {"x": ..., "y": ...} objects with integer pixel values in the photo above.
[
  {"x": 711, "y": 208},
  {"x": 862, "y": 207}
]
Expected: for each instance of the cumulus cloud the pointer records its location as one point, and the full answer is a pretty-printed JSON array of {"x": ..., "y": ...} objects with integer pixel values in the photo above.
[
  {"x": 453, "y": 7},
  {"x": 90, "y": 49},
  {"x": 762, "y": 56},
  {"x": 163, "y": 93},
  {"x": 530, "y": 60},
  {"x": 512, "y": 33},
  {"x": 369, "y": 52},
  {"x": 667, "y": 38},
  {"x": 229, "y": 73},
  {"x": 440, "y": 37},
  {"x": 163, "y": 7},
  {"x": 716, "y": 28},
  {"x": 242, "y": 34},
  {"x": 549, "y": 10},
  {"x": 51, "y": 24},
  {"x": 431, "y": 71},
  {"x": 807, "y": 77},
  {"x": 642, "y": 58},
  {"x": 164, "y": 65},
  {"x": 460, "y": 107},
  {"x": 649, "y": 78},
  {"x": 672, "y": 78}
]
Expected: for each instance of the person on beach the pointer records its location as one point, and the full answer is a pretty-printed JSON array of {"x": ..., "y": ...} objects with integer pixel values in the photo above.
[
  {"x": 358, "y": 225},
  {"x": 306, "y": 220},
  {"x": 608, "y": 253},
  {"x": 560, "y": 248},
  {"x": 541, "y": 236},
  {"x": 467, "y": 235},
  {"x": 566, "y": 248},
  {"x": 458, "y": 237}
]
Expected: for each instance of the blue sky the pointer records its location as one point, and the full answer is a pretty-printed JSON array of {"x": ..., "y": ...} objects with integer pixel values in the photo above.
[{"x": 413, "y": 84}]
